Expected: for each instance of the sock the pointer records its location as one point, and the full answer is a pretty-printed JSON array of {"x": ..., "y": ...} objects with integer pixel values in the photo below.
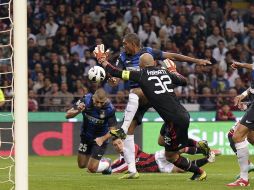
[
  {"x": 200, "y": 162},
  {"x": 103, "y": 165},
  {"x": 192, "y": 150},
  {"x": 192, "y": 142},
  {"x": 185, "y": 164},
  {"x": 231, "y": 142},
  {"x": 243, "y": 156},
  {"x": 130, "y": 111},
  {"x": 129, "y": 153}
]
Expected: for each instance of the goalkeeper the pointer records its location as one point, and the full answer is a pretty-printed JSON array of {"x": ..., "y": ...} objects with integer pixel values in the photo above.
[
  {"x": 158, "y": 86},
  {"x": 137, "y": 104}
]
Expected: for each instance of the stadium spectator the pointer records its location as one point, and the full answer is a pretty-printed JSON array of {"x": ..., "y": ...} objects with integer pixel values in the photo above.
[
  {"x": 224, "y": 114},
  {"x": 120, "y": 101},
  {"x": 54, "y": 29},
  {"x": 32, "y": 102},
  {"x": 214, "y": 12},
  {"x": 220, "y": 51}
]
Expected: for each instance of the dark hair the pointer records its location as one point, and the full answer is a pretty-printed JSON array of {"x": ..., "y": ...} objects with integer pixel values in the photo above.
[
  {"x": 133, "y": 37},
  {"x": 114, "y": 138}
]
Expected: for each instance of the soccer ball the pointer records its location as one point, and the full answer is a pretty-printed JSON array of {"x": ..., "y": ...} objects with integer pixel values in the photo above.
[{"x": 96, "y": 74}]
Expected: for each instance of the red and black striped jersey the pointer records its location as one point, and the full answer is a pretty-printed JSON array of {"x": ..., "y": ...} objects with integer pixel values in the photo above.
[{"x": 144, "y": 162}]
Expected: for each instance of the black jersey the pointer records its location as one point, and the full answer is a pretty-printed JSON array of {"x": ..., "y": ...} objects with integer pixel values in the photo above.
[{"x": 158, "y": 86}]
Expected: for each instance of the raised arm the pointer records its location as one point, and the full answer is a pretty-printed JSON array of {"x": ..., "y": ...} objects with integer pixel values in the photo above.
[
  {"x": 73, "y": 112},
  {"x": 237, "y": 65},
  {"x": 183, "y": 58}
]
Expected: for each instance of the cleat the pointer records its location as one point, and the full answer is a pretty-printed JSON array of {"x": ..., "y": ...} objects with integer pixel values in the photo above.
[
  {"x": 199, "y": 177},
  {"x": 211, "y": 157},
  {"x": 109, "y": 170},
  {"x": 205, "y": 149},
  {"x": 119, "y": 133},
  {"x": 130, "y": 176},
  {"x": 239, "y": 183},
  {"x": 250, "y": 169}
]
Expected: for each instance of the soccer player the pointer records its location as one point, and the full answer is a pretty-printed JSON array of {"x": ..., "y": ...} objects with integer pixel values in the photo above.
[
  {"x": 150, "y": 162},
  {"x": 158, "y": 85},
  {"x": 249, "y": 139},
  {"x": 98, "y": 118},
  {"x": 243, "y": 129},
  {"x": 137, "y": 104}
]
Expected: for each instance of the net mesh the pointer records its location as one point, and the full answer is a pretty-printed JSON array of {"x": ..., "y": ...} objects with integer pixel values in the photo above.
[{"x": 6, "y": 86}]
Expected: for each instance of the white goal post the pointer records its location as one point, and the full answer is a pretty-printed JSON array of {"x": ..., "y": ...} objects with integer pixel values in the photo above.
[{"x": 20, "y": 93}]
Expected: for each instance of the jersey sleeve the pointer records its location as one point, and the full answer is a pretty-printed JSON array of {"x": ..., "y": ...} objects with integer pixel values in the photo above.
[
  {"x": 119, "y": 165},
  {"x": 123, "y": 74},
  {"x": 178, "y": 79},
  {"x": 157, "y": 54}
]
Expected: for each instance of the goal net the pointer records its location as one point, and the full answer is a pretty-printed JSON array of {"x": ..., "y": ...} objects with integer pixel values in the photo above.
[
  {"x": 6, "y": 86},
  {"x": 13, "y": 84}
]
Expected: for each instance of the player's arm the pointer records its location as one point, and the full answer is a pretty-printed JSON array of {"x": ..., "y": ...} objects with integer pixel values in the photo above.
[
  {"x": 237, "y": 65},
  {"x": 160, "y": 55},
  {"x": 183, "y": 58},
  {"x": 113, "y": 124},
  {"x": 74, "y": 111},
  {"x": 178, "y": 79},
  {"x": 238, "y": 99}
]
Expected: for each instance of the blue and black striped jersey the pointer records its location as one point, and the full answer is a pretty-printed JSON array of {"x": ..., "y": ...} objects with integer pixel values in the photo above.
[
  {"x": 131, "y": 62},
  {"x": 96, "y": 122}
]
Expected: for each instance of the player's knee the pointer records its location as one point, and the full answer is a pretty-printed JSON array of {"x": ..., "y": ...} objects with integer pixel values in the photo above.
[
  {"x": 81, "y": 165},
  {"x": 237, "y": 138}
]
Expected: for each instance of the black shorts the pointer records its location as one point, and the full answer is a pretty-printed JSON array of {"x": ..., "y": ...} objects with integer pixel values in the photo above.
[
  {"x": 175, "y": 136},
  {"x": 140, "y": 112},
  {"x": 248, "y": 118},
  {"x": 91, "y": 148}
]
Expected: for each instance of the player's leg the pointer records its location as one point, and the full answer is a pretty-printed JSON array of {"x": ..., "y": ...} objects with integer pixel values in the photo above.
[
  {"x": 82, "y": 160},
  {"x": 250, "y": 136},
  {"x": 84, "y": 153},
  {"x": 239, "y": 137},
  {"x": 129, "y": 145},
  {"x": 96, "y": 162},
  {"x": 131, "y": 109}
]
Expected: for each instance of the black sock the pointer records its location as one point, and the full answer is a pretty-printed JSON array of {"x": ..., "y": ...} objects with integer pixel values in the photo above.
[
  {"x": 200, "y": 162},
  {"x": 192, "y": 150},
  {"x": 186, "y": 165},
  {"x": 232, "y": 143}
]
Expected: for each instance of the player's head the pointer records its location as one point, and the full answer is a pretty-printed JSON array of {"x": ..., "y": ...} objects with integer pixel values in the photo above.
[
  {"x": 131, "y": 43},
  {"x": 99, "y": 98},
  {"x": 117, "y": 144},
  {"x": 146, "y": 60}
]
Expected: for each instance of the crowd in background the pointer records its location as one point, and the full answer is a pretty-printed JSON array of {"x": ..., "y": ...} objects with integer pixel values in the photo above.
[{"x": 63, "y": 33}]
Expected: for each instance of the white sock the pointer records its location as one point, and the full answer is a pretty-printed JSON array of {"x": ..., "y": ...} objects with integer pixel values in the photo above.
[
  {"x": 130, "y": 111},
  {"x": 242, "y": 152},
  {"x": 103, "y": 165},
  {"x": 129, "y": 153}
]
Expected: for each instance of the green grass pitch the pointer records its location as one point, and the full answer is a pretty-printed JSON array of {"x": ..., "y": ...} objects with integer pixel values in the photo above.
[{"x": 61, "y": 173}]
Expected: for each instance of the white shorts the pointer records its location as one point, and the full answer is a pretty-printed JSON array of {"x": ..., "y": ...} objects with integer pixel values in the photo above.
[{"x": 164, "y": 165}]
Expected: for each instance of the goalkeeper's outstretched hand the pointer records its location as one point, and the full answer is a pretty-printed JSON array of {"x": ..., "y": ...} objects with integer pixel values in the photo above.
[{"x": 100, "y": 54}]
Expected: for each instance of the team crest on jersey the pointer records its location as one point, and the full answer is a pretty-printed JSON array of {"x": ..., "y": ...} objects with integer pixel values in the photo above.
[{"x": 102, "y": 114}]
